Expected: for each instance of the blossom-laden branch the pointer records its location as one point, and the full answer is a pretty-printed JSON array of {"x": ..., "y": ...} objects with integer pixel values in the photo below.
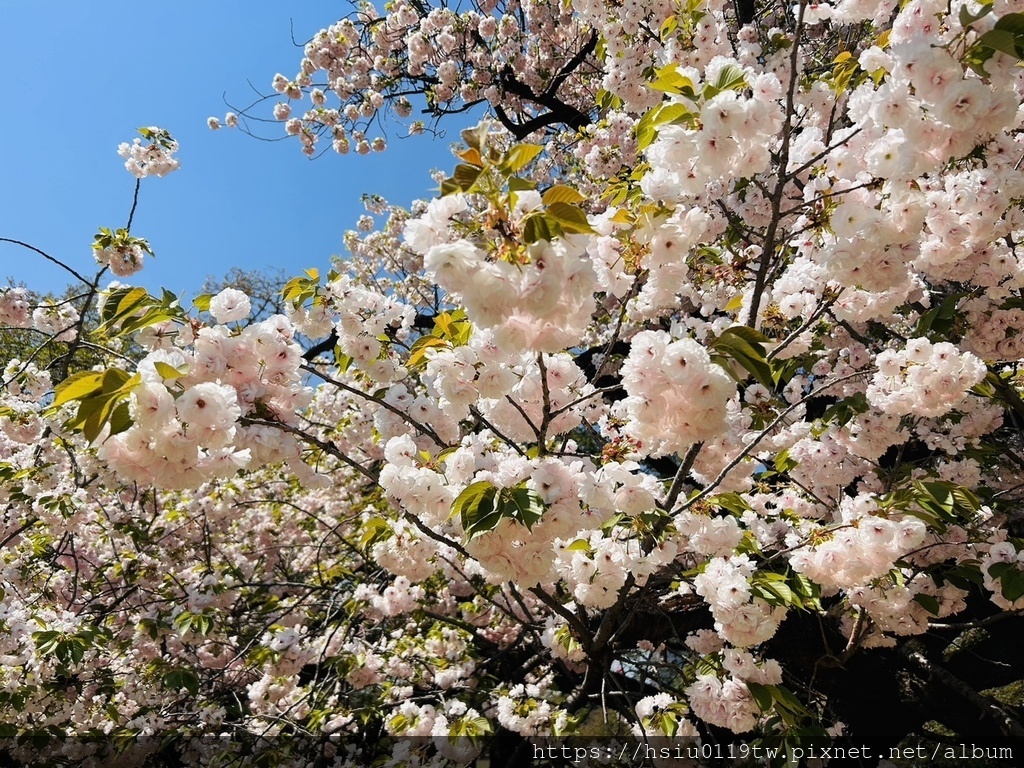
[{"x": 667, "y": 421}]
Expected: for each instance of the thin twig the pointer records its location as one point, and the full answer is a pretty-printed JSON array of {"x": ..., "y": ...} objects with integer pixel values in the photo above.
[
  {"x": 980, "y": 622},
  {"x": 387, "y": 406},
  {"x": 327, "y": 448},
  {"x": 748, "y": 449}
]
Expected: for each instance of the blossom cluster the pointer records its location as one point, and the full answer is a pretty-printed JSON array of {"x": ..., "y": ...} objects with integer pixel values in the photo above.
[
  {"x": 924, "y": 378},
  {"x": 543, "y": 304},
  {"x": 677, "y": 396},
  {"x": 193, "y": 392},
  {"x": 155, "y": 158}
]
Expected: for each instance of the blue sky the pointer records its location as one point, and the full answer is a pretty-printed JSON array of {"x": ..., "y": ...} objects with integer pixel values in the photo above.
[{"x": 82, "y": 76}]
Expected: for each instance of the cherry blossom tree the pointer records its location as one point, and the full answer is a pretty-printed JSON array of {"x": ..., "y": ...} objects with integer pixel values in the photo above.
[{"x": 689, "y": 410}]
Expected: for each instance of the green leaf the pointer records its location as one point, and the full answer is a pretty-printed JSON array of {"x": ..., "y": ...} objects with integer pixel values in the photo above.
[
  {"x": 928, "y": 602},
  {"x": 481, "y": 515},
  {"x": 998, "y": 570},
  {"x": 129, "y": 304},
  {"x": 453, "y": 327},
  {"x": 747, "y": 334},
  {"x": 471, "y": 497},
  {"x": 373, "y": 530},
  {"x": 465, "y": 176},
  {"x": 773, "y": 592},
  {"x": 291, "y": 291},
  {"x": 647, "y": 127},
  {"x": 1010, "y": 22},
  {"x": 539, "y": 226},
  {"x": 1012, "y": 584},
  {"x": 762, "y": 695},
  {"x": 46, "y": 641},
  {"x": 183, "y": 622},
  {"x": 113, "y": 300},
  {"x": 120, "y": 419},
  {"x": 730, "y": 78},
  {"x": 843, "y": 72},
  {"x": 524, "y": 504},
  {"x": 785, "y": 699},
  {"x": 939, "y": 319},
  {"x": 152, "y": 317},
  {"x": 97, "y": 416},
  {"x": 977, "y": 56},
  {"x": 516, "y": 184},
  {"x": 1002, "y": 40},
  {"x": 181, "y": 678},
  {"x": 843, "y": 411},
  {"x": 965, "y": 499},
  {"x": 969, "y": 572},
  {"x": 783, "y": 462},
  {"x": 731, "y": 502},
  {"x": 95, "y": 409},
  {"x": 745, "y": 346},
  {"x": 116, "y": 380},
  {"x": 481, "y": 506},
  {"x": 946, "y": 501},
  {"x": 131, "y": 301},
  {"x": 646, "y": 132},
  {"x": 606, "y": 100},
  {"x": 967, "y": 18},
  {"x": 202, "y": 301},
  {"x": 672, "y": 113},
  {"x": 186, "y": 622},
  {"x": 342, "y": 361}
]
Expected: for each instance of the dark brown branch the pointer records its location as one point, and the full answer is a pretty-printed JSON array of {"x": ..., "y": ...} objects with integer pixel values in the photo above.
[
  {"x": 558, "y": 110},
  {"x": 46, "y": 256},
  {"x": 771, "y": 238},
  {"x": 986, "y": 707}
]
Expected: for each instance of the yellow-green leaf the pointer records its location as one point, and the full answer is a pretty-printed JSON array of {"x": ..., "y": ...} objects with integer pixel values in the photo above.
[
  {"x": 77, "y": 386},
  {"x": 131, "y": 300},
  {"x": 167, "y": 371},
  {"x": 560, "y": 193},
  {"x": 570, "y": 218},
  {"x": 521, "y": 155},
  {"x": 418, "y": 352}
]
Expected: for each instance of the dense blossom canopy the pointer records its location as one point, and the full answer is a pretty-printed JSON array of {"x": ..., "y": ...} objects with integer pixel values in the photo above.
[{"x": 690, "y": 408}]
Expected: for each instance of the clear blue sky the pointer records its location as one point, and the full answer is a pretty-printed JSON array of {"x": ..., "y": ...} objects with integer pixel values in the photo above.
[{"x": 81, "y": 76}]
